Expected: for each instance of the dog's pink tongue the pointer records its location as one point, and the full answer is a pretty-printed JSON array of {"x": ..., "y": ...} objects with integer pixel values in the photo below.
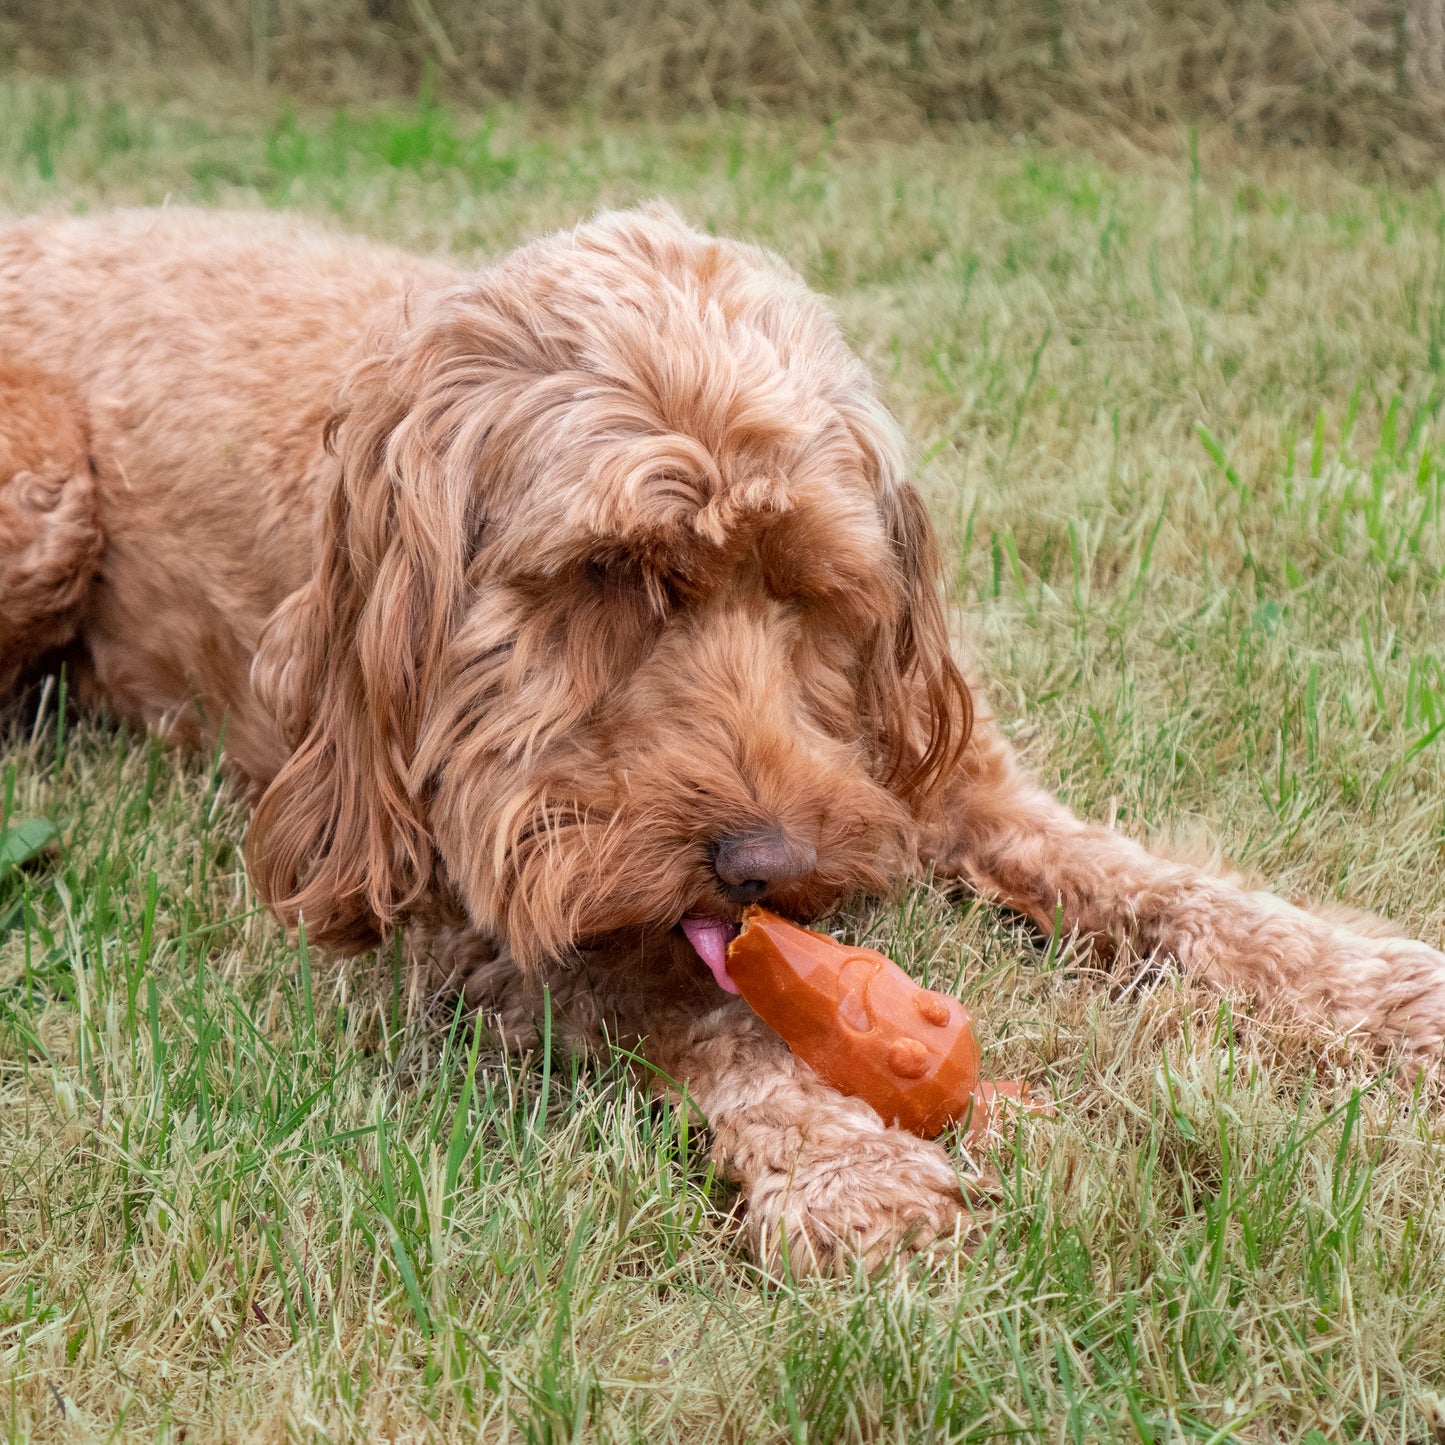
[{"x": 711, "y": 936}]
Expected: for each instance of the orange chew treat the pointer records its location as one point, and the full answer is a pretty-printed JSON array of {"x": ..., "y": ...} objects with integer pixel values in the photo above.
[{"x": 860, "y": 1022}]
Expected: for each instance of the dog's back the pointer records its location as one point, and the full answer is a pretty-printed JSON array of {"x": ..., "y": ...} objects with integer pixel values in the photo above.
[{"x": 197, "y": 352}]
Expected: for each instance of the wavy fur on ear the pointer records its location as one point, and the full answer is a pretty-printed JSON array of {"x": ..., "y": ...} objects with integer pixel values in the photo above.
[
  {"x": 923, "y": 663},
  {"x": 340, "y": 838},
  {"x": 914, "y": 688}
]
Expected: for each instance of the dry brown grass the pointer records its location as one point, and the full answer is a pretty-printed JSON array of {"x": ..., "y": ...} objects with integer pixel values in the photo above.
[{"x": 1368, "y": 74}]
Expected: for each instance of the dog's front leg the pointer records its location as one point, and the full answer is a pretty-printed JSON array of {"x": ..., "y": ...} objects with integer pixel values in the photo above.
[
  {"x": 823, "y": 1179},
  {"x": 1015, "y": 844}
]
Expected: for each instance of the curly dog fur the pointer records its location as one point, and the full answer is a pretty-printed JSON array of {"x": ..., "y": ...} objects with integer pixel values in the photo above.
[{"x": 548, "y": 606}]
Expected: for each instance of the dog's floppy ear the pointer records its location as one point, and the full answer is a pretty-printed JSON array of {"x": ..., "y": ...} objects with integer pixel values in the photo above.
[
  {"x": 340, "y": 840},
  {"x": 916, "y": 693},
  {"x": 922, "y": 656}
]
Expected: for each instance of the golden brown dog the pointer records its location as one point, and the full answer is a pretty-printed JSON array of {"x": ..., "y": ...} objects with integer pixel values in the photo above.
[{"x": 555, "y": 613}]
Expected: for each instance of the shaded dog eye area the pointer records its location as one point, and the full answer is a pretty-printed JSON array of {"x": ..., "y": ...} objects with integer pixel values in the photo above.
[
  {"x": 805, "y": 559},
  {"x": 618, "y": 576}
]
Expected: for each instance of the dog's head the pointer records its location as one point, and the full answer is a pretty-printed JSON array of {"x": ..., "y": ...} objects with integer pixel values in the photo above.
[{"x": 624, "y": 610}]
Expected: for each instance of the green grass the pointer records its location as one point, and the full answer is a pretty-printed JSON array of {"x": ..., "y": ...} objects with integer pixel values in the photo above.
[{"x": 1179, "y": 419}]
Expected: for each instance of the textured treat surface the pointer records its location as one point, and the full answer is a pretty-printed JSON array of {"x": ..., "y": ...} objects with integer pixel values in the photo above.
[{"x": 860, "y": 1022}]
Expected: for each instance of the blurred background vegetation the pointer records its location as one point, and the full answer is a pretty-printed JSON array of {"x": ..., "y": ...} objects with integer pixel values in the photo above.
[{"x": 1368, "y": 75}]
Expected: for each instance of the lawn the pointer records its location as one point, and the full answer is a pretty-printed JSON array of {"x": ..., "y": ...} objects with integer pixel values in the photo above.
[{"x": 1178, "y": 411}]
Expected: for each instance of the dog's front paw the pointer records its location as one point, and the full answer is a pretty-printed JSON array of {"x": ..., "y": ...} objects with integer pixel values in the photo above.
[{"x": 840, "y": 1193}]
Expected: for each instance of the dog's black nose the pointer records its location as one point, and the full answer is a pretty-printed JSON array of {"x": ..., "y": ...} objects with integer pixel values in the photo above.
[{"x": 749, "y": 866}]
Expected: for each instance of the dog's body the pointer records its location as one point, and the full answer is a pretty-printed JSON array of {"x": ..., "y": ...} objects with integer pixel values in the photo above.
[
  {"x": 554, "y": 613},
  {"x": 205, "y": 424}
]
